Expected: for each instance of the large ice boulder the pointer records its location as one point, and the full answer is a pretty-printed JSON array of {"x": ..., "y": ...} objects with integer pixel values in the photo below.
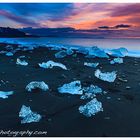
[
  {"x": 97, "y": 52},
  {"x": 50, "y": 64},
  {"x": 106, "y": 76},
  {"x": 91, "y": 108},
  {"x": 28, "y": 116},
  {"x": 71, "y": 88},
  {"x": 120, "y": 52},
  {"x": 37, "y": 85}
]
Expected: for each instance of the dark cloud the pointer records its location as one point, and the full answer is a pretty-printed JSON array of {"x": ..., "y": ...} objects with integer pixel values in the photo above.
[
  {"x": 19, "y": 19},
  {"x": 122, "y": 26},
  {"x": 115, "y": 27},
  {"x": 104, "y": 27}
]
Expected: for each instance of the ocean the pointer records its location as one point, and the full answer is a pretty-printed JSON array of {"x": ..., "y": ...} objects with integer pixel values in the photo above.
[{"x": 131, "y": 44}]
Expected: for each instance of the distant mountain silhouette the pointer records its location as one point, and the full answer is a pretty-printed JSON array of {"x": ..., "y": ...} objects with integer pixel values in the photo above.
[
  {"x": 11, "y": 32},
  {"x": 60, "y": 32},
  {"x": 100, "y": 32}
]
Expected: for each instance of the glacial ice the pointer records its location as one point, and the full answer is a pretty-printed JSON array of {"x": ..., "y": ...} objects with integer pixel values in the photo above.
[
  {"x": 93, "y": 65},
  {"x": 120, "y": 52},
  {"x": 21, "y": 62},
  {"x": 5, "y": 95},
  {"x": 37, "y": 85},
  {"x": 97, "y": 52},
  {"x": 69, "y": 51},
  {"x": 61, "y": 54},
  {"x": 9, "y": 54},
  {"x": 82, "y": 50},
  {"x": 71, "y": 88},
  {"x": 9, "y": 47},
  {"x": 3, "y": 52},
  {"x": 91, "y": 91},
  {"x": 50, "y": 64},
  {"x": 116, "y": 60},
  {"x": 91, "y": 108},
  {"x": 107, "y": 76},
  {"x": 28, "y": 116}
]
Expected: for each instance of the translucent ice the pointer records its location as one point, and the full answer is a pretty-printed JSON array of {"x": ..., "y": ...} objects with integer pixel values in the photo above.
[
  {"x": 50, "y": 64},
  {"x": 61, "y": 54},
  {"x": 82, "y": 50},
  {"x": 91, "y": 108},
  {"x": 9, "y": 54},
  {"x": 37, "y": 85},
  {"x": 21, "y": 62},
  {"x": 95, "y": 51},
  {"x": 5, "y": 95},
  {"x": 120, "y": 52},
  {"x": 69, "y": 51},
  {"x": 107, "y": 76},
  {"x": 91, "y": 91},
  {"x": 116, "y": 60},
  {"x": 93, "y": 65},
  {"x": 71, "y": 88},
  {"x": 28, "y": 116}
]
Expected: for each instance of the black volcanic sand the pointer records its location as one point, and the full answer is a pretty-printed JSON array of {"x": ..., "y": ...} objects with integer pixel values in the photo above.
[{"x": 60, "y": 115}]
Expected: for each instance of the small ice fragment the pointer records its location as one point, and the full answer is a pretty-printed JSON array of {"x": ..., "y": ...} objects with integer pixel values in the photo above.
[
  {"x": 122, "y": 80},
  {"x": 120, "y": 52},
  {"x": 9, "y": 54},
  {"x": 50, "y": 64},
  {"x": 108, "y": 98},
  {"x": 71, "y": 88},
  {"x": 28, "y": 116},
  {"x": 3, "y": 52},
  {"x": 69, "y": 51},
  {"x": 91, "y": 108},
  {"x": 116, "y": 60},
  {"x": 5, "y": 95},
  {"x": 93, "y": 65},
  {"x": 21, "y": 62},
  {"x": 91, "y": 92},
  {"x": 61, "y": 54},
  {"x": 107, "y": 76},
  {"x": 37, "y": 85},
  {"x": 9, "y": 47},
  {"x": 22, "y": 56},
  {"x": 128, "y": 87}
]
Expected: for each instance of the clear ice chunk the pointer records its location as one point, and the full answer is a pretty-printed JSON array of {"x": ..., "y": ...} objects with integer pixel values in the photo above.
[
  {"x": 91, "y": 108},
  {"x": 50, "y": 64},
  {"x": 71, "y": 88},
  {"x": 107, "y": 76},
  {"x": 28, "y": 116},
  {"x": 37, "y": 85}
]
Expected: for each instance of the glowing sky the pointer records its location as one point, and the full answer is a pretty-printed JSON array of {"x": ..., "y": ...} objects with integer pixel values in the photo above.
[{"x": 76, "y": 15}]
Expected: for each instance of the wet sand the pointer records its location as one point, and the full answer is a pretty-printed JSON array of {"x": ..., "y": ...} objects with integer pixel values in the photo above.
[{"x": 60, "y": 115}]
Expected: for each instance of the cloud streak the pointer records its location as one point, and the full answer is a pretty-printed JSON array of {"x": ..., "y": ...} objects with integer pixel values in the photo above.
[{"x": 76, "y": 15}]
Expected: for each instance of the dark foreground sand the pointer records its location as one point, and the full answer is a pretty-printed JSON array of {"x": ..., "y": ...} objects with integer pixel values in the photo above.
[{"x": 121, "y": 115}]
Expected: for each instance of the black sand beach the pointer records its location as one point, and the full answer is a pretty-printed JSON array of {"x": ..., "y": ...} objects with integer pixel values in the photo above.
[{"x": 60, "y": 115}]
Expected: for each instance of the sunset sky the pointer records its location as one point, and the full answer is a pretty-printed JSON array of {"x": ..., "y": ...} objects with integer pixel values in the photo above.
[{"x": 76, "y": 15}]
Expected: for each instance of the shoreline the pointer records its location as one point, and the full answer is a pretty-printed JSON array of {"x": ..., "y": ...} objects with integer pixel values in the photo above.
[{"x": 60, "y": 115}]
